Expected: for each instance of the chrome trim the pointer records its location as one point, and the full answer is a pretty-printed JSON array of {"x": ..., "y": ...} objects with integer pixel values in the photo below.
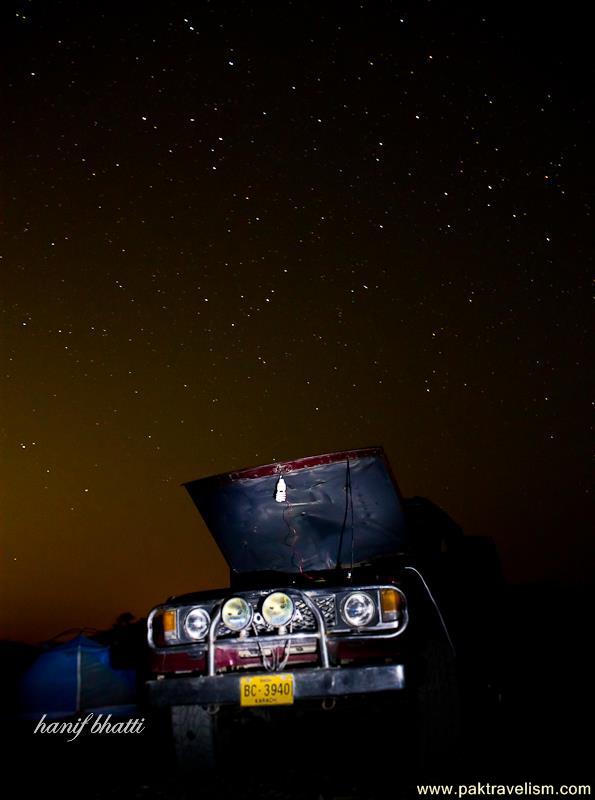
[
  {"x": 231, "y": 644},
  {"x": 211, "y": 641},
  {"x": 340, "y": 632},
  {"x": 150, "y": 639},
  {"x": 319, "y": 634}
]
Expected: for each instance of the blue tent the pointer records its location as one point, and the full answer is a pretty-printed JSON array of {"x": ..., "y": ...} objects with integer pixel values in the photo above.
[{"x": 75, "y": 677}]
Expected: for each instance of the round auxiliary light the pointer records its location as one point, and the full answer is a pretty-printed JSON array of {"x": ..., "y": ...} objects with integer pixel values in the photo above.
[
  {"x": 236, "y": 614},
  {"x": 197, "y": 623},
  {"x": 358, "y": 609},
  {"x": 277, "y": 609}
]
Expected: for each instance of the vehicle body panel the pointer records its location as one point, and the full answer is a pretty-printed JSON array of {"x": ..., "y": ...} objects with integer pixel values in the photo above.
[{"x": 338, "y": 509}]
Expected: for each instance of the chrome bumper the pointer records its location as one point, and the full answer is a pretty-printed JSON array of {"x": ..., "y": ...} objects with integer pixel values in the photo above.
[{"x": 308, "y": 684}]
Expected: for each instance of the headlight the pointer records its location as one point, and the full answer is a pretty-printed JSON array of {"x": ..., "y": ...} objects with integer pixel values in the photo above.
[
  {"x": 236, "y": 614},
  {"x": 277, "y": 609},
  {"x": 358, "y": 609},
  {"x": 197, "y": 623}
]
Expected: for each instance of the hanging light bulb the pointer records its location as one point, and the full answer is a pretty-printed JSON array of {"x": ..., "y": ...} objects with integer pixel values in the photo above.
[{"x": 281, "y": 490}]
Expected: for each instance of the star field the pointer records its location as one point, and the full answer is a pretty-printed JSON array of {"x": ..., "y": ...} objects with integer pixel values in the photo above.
[{"x": 238, "y": 232}]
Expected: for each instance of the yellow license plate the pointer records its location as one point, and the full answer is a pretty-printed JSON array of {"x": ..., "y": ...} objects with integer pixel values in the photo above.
[{"x": 267, "y": 690}]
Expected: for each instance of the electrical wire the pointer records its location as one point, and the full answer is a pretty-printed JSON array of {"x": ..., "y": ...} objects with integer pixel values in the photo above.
[
  {"x": 348, "y": 500},
  {"x": 435, "y": 604}
]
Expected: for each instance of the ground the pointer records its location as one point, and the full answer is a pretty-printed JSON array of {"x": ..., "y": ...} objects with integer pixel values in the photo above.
[{"x": 537, "y": 736}]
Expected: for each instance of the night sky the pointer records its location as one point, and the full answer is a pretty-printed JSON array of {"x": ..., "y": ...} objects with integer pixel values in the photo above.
[{"x": 236, "y": 232}]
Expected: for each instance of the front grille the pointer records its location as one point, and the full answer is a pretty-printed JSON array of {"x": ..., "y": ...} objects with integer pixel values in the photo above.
[{"x": 303, "y": 620}]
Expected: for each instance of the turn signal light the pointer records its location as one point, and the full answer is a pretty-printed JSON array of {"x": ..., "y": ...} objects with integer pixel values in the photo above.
[
  {"x": 169, "y": 622},
  {"x": 391, "y": 602}
]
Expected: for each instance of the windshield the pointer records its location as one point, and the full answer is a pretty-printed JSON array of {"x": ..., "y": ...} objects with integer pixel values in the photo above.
[{"x": 316, "y": 513}]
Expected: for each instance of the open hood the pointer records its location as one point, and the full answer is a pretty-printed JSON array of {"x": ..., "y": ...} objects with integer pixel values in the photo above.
[{"x": 316, "y": 513}]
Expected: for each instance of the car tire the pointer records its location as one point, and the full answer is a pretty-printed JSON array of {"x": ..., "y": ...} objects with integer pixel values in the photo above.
[
  {"x": 438, "y": 711},
  {"x": 194, "y": 732}
]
